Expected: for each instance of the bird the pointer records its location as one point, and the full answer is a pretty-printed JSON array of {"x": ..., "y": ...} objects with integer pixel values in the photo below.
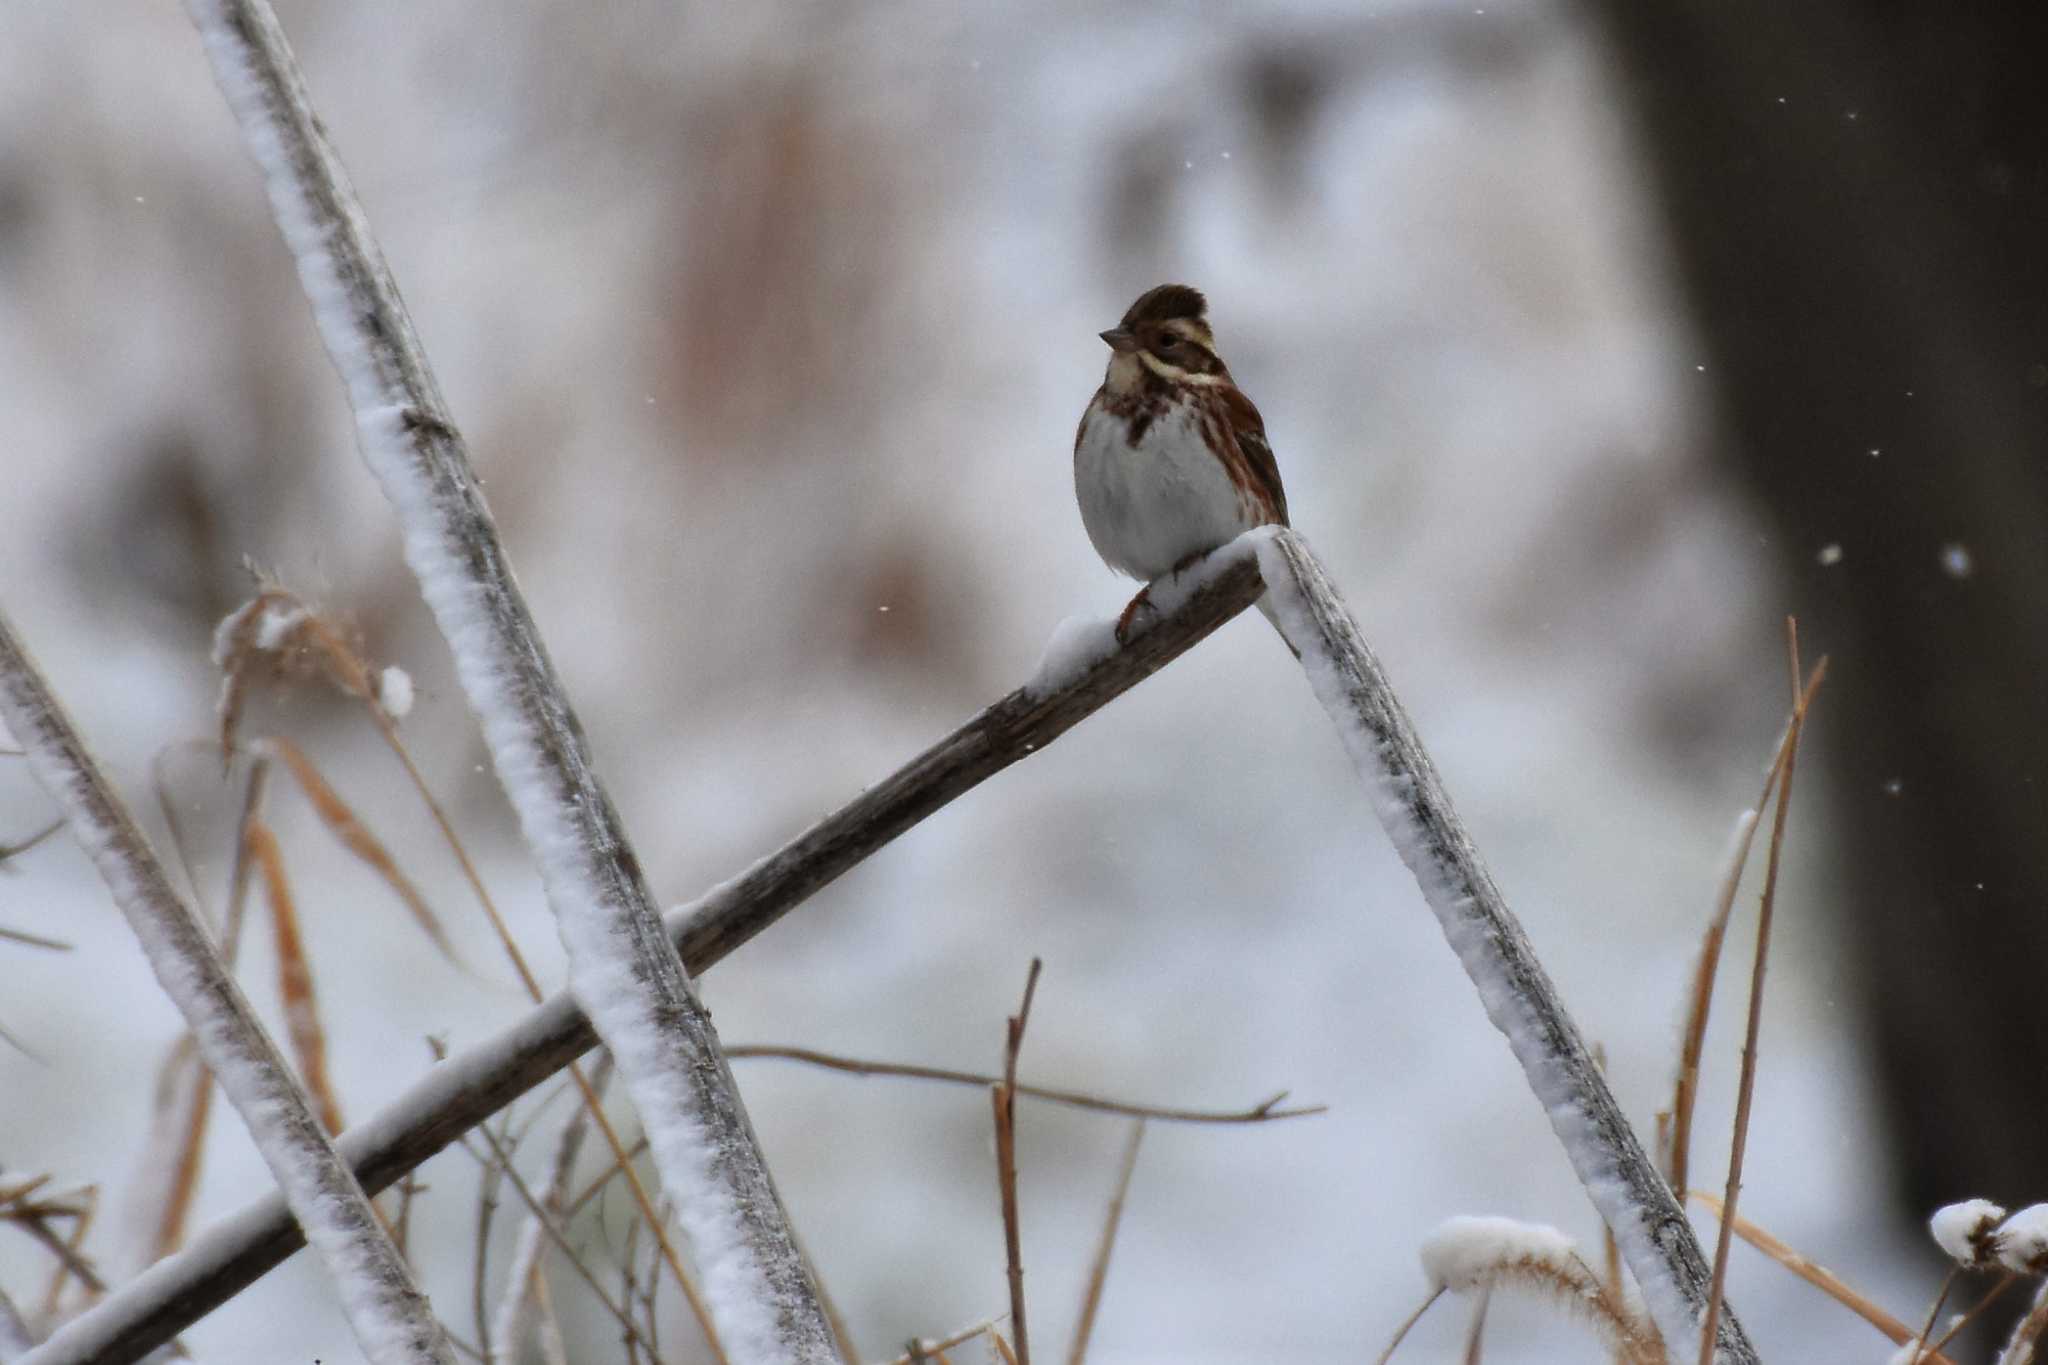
[{"x": 1171, "y": 458}]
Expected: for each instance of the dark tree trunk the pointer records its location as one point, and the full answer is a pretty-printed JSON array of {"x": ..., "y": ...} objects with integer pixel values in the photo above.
[{"x": 1858, "y": 196}]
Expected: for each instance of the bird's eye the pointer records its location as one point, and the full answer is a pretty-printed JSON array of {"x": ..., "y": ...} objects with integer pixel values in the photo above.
[{"x": 1167, "y": 342}]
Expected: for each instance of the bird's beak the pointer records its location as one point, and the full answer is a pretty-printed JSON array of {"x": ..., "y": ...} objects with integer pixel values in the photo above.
[{"x": 1120, "y": 339}]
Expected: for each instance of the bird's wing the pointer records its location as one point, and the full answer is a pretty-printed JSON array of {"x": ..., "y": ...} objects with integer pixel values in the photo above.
[{"x": 1249, "y": 429}]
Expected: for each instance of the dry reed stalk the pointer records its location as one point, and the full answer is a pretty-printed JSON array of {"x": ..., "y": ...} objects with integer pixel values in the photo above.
[
  {"x": 1819, "y": 1276},
  {"x": 1685, "y": 1089},
  {"x": 1003, "y": 1097},
  {"x": 295, "y": 979},
  {"x": 536, "y": 1209},
  {"x": 1098, "y": 1269},
  {"x": 1746, "y": 1088}
]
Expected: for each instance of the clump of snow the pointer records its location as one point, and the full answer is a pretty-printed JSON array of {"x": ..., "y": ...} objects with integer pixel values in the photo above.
[
  {"x": 1077, "y": 645},
  {"x": 1467, "y": 1253},
  {"x": 1169, "y": 594},
  {"x": 2021, "y": 1242},
  {"x": 1956, "y": 561},
  {"x": 1911, "y": 1353},
  {"x": 263, "y": 622},
  {"x": 394, "y": 692},
  {"x": 1968, "y": 1231},
  {"x": 1830, "y": 554},
  {"x": 276, "y": 624}
]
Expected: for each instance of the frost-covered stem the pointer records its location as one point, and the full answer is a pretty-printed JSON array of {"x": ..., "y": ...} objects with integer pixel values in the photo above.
[
  {"x": 462, "y": 1092},
  {"x": 621, "y": 965},
  {"x": 391, "y": 1318},
  {"x": 1745, "y": 1093},
  {"x": 1409, "y": 797}
]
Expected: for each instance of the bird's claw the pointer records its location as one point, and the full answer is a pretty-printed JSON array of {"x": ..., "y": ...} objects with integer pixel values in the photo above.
[{"x": 1141, "y": 603}]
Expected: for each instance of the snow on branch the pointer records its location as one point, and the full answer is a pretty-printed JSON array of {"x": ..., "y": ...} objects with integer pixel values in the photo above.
[
  {"x": 463, "y": 1091},
  {"x": 621, "y": 965},
  {"x": 391, "y": 1318},
  {"x": 1409, "y": 798}
]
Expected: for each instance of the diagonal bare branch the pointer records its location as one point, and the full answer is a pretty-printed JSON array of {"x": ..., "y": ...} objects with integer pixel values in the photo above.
[{"x": 463, "y": 1091}]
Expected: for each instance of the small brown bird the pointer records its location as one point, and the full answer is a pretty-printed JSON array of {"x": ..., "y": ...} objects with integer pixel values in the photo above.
[{"x": 1171, "y": 460}]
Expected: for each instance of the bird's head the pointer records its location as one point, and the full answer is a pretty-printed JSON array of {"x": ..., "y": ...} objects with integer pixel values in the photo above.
[{"x": 1165, "y": 335}]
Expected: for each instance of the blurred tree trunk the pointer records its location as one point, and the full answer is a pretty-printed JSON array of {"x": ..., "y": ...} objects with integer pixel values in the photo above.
[{"x": 1858, "y": 196}]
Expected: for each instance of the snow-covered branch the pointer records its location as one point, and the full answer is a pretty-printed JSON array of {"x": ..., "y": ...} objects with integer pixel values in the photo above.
[
  {"x": 391, "y": 1318},
  {"x": 1650, "y": 1227},
  {"x": 461, "y": 1092},
  {"x": 621, "y": 965}
]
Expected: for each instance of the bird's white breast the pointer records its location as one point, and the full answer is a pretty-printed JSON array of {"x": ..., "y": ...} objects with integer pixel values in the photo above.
[{"x": 1151, "y": 505}]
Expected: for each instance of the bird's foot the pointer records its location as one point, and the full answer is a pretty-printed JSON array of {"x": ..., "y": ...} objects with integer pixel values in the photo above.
[{"x": 1141, "y": 605}]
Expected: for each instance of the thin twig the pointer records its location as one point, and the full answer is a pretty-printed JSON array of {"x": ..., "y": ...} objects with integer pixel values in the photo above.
[
  {"x": 1948, "y": 1283},
  {"x": 524, "y": 1275},
  {"x": 1408, "y": 1325},
  {"x": 16, "y": 1340},
  {"x": 409, "y": 1189},
  {"x": 1098, "y": 1270},
  {"x": 1820, "y": 1277},
  {"x": 1003, "y": 1096},
  {"x": 553, "y": 1351},
  {"x": 1753, "y": 1029},
  {"x": 1685, "y": 1090},
  {"x": 622, "y": 1315},
  {"x": 629, "y": 1287},
  {"x": 22, "y": 936},
  {"x": 24, "y": 845},
  {"x": 486, "y": 1213},
  {"x": 960, "y": 1338},
  {"x": 1961, "y": 1324},
  {"x": 1476, "y": 1334},
  {"x": 70, "y": 1261},
  {"x": 352, "y": 834},
  {"x": 34, "y": 1216},
  {"x": 1266, "y": 1111},
  {"x": 242, "y": 872}
]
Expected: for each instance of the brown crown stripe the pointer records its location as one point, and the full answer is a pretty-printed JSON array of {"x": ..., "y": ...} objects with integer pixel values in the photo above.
[{"x": 1165, "y": 303}]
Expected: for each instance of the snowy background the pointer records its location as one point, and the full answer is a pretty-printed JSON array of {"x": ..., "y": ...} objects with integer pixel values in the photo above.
[{"x": 769, "y": 333}]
